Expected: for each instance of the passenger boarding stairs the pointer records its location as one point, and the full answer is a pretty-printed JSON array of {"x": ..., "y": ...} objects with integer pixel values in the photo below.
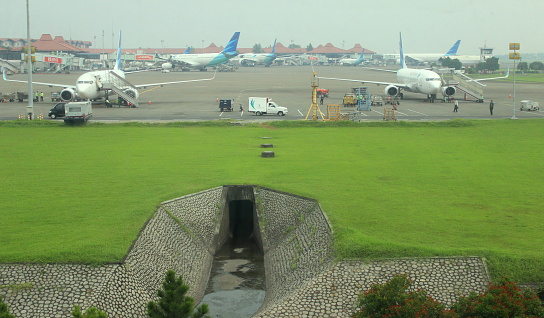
[
  {"x": 120, "y": 86},
  {"x": 9, "y": 66},
  {"x": 468, "y": 86}
]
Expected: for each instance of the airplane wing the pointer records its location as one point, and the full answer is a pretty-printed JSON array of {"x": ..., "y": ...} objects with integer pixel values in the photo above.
[
  {"x": 404, "y": 86},
  {"x": 492, "y": 78},
  {"x": 39, "y": 83},
  {"x": 176, "y": 82}
]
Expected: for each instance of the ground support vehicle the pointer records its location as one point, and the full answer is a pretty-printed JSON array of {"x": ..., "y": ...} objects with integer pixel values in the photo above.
[
  {"x": 21, "y": 96},
  {"x": 78, "y": 112},
  {"x": 55, "y": 97},
  {"x": 529, "y": 105},
  {"x": 322, "y": 92},
  {"x": 57, "y": 111},
  {"x": 7, "y": 97},
  {"x": 376, "y": 100},
  {"x": 265, "y": 105},
  {"x": 226, "y": 105},
  {"x": 349, "y": 100}
]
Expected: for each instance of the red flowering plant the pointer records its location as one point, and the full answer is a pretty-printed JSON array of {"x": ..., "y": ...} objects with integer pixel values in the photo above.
[
  {"x": 392, "y": 300},
  {"x": 504, "y": 299}
]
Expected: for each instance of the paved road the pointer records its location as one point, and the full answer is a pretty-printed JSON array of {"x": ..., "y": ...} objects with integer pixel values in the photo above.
[{"x": 289, "y": 86}]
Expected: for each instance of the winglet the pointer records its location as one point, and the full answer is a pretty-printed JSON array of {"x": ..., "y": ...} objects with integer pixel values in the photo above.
[
  {"x": 118, "y": 61},
  {"x": 453, "y": 49},
  {"x": 4, "y": 73},
  {"x": 402, "y": 61},
  {"x": 233, "y": 43}
]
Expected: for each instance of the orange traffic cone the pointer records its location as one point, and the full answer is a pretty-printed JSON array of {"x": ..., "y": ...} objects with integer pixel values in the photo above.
[
  {"x": 149, "y": 103},
  {"x": 217, "y": 100},
  {"x": 509, "y": 96}
]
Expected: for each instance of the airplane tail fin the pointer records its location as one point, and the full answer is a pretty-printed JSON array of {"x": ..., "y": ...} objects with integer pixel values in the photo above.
[
  {"x": 402, "y": 60},
  {"x": 273, "y": 47},
  {"x": 233, "y": 43},
  {"x": 453, "y": 49},
  {"x": 187, "y": 50},
  {"x": 118, "y": 60}
]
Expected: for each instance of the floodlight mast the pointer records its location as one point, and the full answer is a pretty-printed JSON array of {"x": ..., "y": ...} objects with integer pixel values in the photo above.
[{"x": 30, "y": 107}]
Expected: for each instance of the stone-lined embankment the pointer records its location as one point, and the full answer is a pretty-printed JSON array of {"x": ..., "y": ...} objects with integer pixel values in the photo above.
[{"x": 183, "y": 234}]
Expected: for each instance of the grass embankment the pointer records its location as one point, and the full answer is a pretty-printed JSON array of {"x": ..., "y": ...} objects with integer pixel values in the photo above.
[{"x": 81, "y": 194}]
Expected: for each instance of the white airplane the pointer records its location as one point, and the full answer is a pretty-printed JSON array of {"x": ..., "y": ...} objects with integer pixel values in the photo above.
[
  {"x": 354, "y": 62},
  {"x": 415, "y": 80},
  {"x": 412, "y": 80},
  {"x": 89, "y": 85},
  {"x": 252, "y": 59},
  {"x": 203, "y": 60},
  {"x": 430, "y": 57}
]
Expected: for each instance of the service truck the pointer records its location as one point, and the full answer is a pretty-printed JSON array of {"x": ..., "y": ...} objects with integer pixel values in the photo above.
[
  {"x": 265, "y": 105},
  {"x": 529, "y": 105},
  {"x": 78, "y": 112}
]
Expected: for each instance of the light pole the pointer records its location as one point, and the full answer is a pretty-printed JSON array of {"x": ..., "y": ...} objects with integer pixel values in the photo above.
[
  {"x": 514, "y": 56},
  {"x": 30, "y": 107}
]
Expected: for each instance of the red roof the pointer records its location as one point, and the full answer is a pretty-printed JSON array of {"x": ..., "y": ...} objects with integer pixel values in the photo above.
[
  {"x": 328, "y": 49},
  {"x": 46, "y": 43},
  {"x": 357, "y": 48}
]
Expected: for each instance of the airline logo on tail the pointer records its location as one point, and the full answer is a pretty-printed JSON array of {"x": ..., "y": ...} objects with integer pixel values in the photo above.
[
  {"x": 230, "y": 49},
  {"x": 454, "y": 48},
  {"x": 272, "y": 56}
]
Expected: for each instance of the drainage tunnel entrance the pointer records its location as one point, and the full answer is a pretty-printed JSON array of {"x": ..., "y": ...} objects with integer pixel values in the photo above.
[
  {"x": 237, "y": 280},
  {"x": 240, "y": 220}
]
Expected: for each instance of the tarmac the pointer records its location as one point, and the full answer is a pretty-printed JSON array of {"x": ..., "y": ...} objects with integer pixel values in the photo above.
[{"x": 288, "y": 86}]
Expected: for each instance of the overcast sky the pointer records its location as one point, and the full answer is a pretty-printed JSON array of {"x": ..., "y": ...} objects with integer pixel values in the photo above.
[{"x": 428, "y": 26}]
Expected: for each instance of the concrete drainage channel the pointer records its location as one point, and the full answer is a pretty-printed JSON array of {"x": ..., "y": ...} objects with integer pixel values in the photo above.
[{"x": 291, "y": 232}]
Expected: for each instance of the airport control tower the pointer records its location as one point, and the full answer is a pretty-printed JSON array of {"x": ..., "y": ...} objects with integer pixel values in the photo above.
[{"x": 485, "y": 53}]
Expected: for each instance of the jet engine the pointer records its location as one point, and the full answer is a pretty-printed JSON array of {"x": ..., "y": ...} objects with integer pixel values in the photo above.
[
  {"x": 247, "y": 63},
  {"x": 391, "y": 90},
  {"x": 68, "y": 94},
  {"x": 167, "y": 66},
  {"x": 448, "y": 90}
]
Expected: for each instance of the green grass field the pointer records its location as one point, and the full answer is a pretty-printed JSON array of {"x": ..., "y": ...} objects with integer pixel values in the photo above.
[
  {"x": 527, "y": 77},
  {"x": 81, "y": 194}
]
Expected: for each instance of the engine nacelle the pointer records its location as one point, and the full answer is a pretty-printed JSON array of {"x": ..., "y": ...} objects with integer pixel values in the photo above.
[
  {"x": 391, "y": 90},
  {"x": 448, "y": 90},
  {"x": 68, "y": 94},
  {"x": 167, "y": 66},
  {"x": 247, "y": 63},
  {"x": 132, "y": 93}
]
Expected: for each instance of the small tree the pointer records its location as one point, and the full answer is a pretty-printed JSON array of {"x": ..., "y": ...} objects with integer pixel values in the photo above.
[
  {"x": 536, "y": 66},
  {"x": 309, "y": 47},
  {"x": 504, "y": 299},
  {"x": 523, "y": 66},
  {"x": 257, "y": 48},
  {"x": 173, "y": 303},
  {"x": 453, "y": 63},
  {"x": 392, "y": 300},
  {"x": 89, "y": 313},
  {"x": 4, "y": 312}
]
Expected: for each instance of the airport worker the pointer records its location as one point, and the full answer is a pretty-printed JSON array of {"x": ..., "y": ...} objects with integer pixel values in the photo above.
[
  {"x": 107, "y": 103},
  {"x": 491, "y": 105},
  {"x": 41, "y": 96},
  {"x": 455, "y": 106},
  {"x": 36, "y": 96},
  {"x": 321, "y": 100}
]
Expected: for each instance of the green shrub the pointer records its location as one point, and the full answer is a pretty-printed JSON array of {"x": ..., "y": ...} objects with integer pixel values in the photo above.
[
  {"x": 89, "y": 313},
  {"x": 504, "y": 299},
  {"x": 392, "y": 300},
  {"x": 4, "y": 312}
]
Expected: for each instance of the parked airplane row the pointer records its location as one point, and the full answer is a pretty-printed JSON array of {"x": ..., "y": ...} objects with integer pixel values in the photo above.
[{"x": 90, "y": 85}]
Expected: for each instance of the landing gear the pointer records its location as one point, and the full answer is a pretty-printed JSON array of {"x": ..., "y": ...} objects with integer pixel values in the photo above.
[{"x": 431, "y": 98}]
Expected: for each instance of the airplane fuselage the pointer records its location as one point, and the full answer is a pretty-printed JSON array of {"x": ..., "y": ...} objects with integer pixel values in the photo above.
[
  {"x": 202, "y": 60},
  {"x": 88, "y": 85},
  {"x": 420, "y": 81}
]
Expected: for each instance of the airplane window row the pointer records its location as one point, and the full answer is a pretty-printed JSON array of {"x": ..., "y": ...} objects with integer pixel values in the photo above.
[
  {"x": 85, "y": 82},
  {"x": 432, "y": 79}
]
